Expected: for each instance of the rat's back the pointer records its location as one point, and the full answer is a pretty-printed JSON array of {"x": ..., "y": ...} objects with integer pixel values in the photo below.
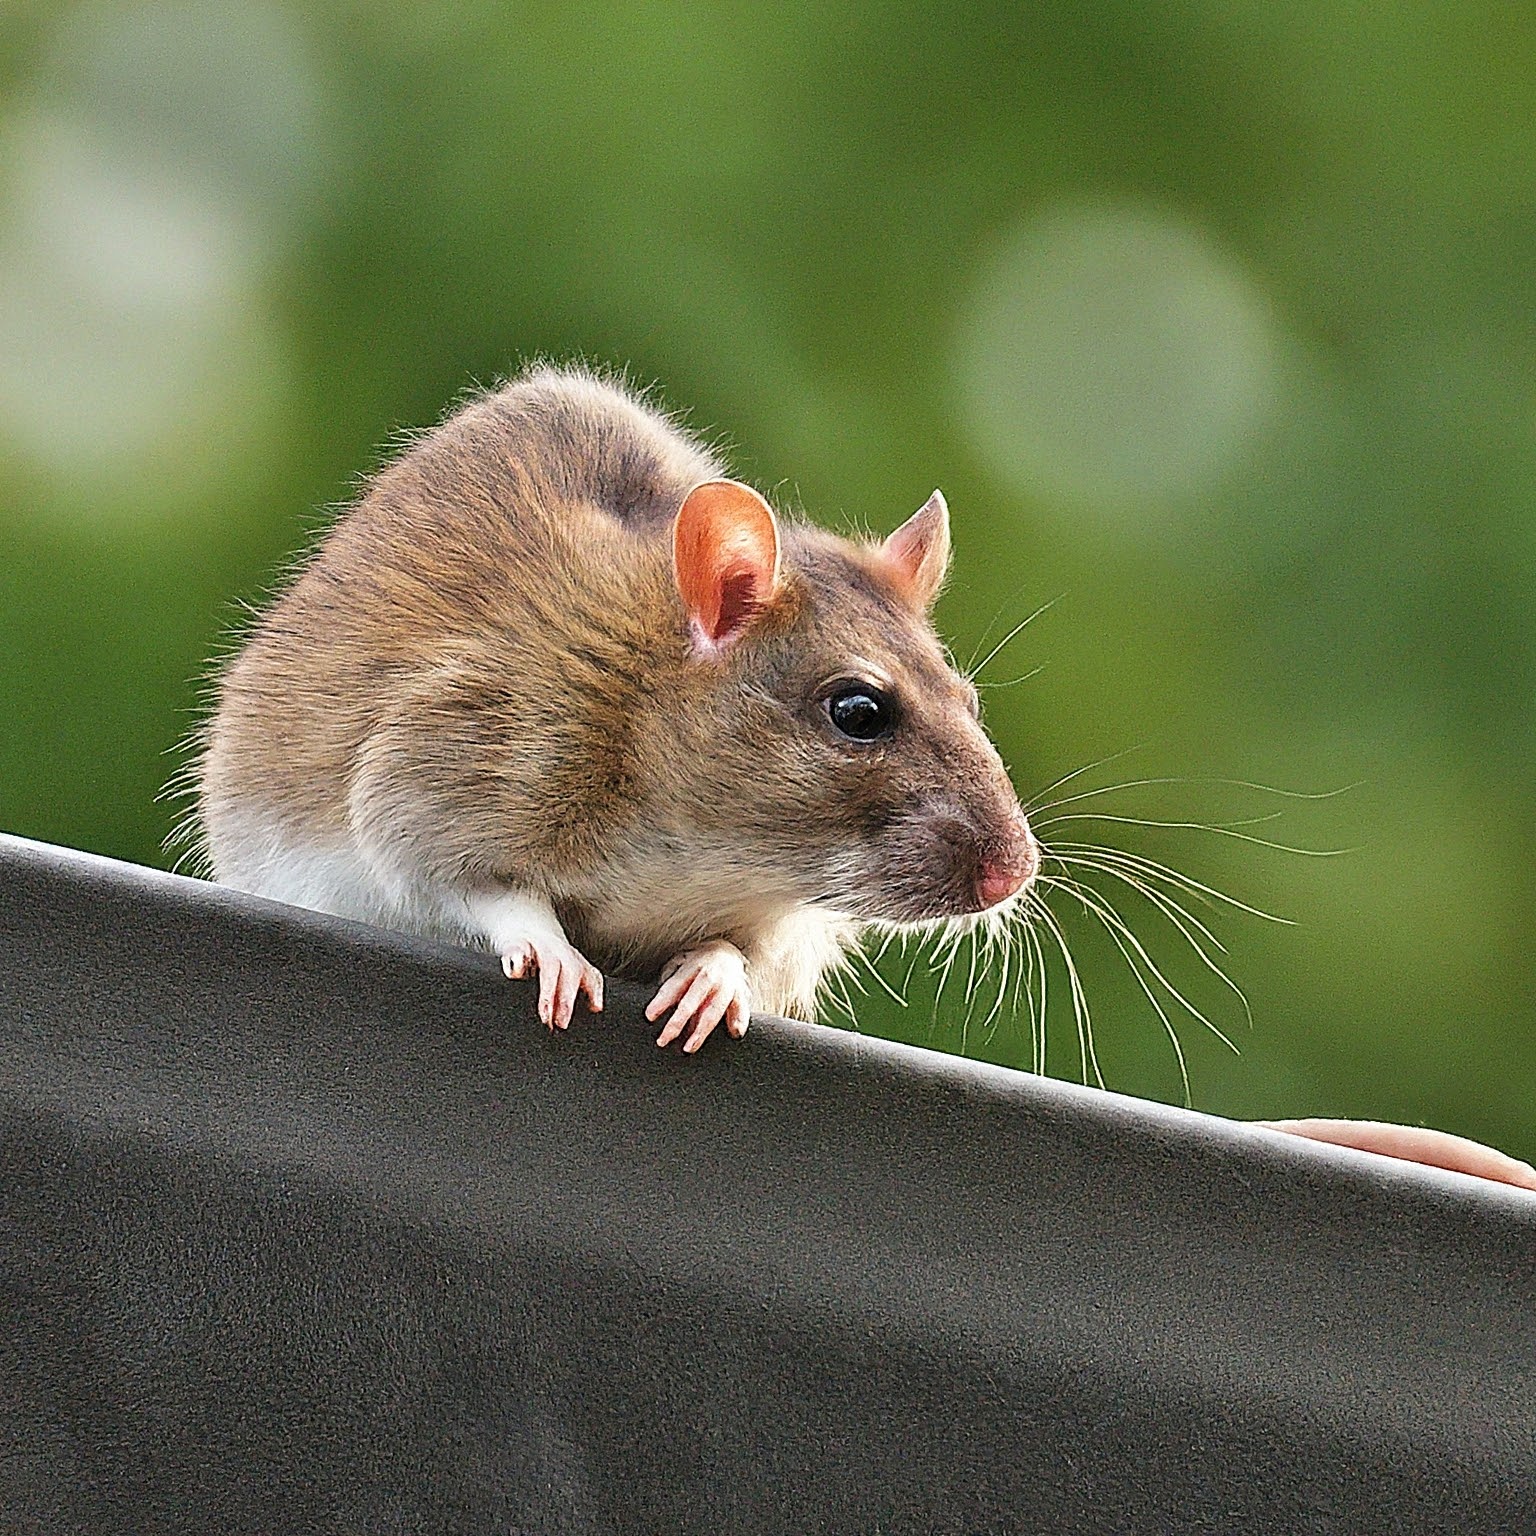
[{"x": 584, "y": 439}]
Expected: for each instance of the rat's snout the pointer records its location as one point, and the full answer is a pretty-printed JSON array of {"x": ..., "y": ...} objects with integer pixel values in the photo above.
[
  {"x": 949, "y": 854},
  {"x": 1009, "y": 865}
]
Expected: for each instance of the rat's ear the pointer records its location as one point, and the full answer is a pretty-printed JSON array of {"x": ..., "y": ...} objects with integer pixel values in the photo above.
[
  {"x": 918, "y": 551},
  {"x": 725, "y": 555}
]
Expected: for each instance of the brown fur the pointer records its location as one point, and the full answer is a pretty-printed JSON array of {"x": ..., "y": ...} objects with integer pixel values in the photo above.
[{"x": 485, "y": 677}]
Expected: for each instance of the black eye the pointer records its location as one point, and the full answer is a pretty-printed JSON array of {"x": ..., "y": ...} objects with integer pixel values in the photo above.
[{"x": 859, "y": 711}]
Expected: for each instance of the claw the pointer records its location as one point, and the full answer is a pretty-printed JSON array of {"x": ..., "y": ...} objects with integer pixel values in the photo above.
[
  {"x": 703, "y": 987},
  {"x": 564, "y": 975},
  {"x": 526, "y": 933}
]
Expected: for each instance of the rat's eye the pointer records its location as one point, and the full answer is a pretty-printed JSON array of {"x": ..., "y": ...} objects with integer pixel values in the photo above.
[{"x": 860, "y": 711}]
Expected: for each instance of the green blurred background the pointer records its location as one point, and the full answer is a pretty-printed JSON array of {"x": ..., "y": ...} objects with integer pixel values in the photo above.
[{"x": 1214, "y": 320}]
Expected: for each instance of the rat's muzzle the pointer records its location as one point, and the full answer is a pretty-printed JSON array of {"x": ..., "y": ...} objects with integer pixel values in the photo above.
[
  {"x": 943, "y": 858},
  {"x": 1007, "y": 865}
]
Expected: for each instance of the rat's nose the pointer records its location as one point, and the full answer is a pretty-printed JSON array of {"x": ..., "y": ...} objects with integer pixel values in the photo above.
[
  {"x": 1010, "y": 869},
  {"x": 994, "y": 885}
]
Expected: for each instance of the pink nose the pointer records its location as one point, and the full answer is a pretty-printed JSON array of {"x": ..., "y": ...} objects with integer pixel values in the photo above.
[
  {"x": 1009, "y": 872},
  {"x": 995, "y": 885}
]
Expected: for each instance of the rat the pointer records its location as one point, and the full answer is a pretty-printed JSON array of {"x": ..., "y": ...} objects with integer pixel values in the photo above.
[{"x": 557, "y": 686}]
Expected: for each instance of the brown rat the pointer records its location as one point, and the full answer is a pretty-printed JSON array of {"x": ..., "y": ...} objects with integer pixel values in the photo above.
[{"x": 557, "y": 687}]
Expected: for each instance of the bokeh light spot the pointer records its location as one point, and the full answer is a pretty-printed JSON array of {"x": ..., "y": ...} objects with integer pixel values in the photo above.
[
  {"x": 1113, "y": 356},
  {"x": 151, "y": 170}
]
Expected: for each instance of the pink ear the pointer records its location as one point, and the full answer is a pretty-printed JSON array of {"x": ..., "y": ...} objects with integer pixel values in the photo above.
[
  {"x": 725, "y": 556},
  {"x": 918, "y": 552}
]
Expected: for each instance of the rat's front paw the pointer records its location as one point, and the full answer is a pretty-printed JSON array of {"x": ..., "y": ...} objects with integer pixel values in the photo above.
[
  {"x": 522, "y": 928},
  {"x": 702, "y": 987},
  {"x": 564, "y": 974}
]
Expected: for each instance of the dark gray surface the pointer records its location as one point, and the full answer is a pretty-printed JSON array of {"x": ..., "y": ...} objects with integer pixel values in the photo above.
[{"x": 305, "y": 1227}]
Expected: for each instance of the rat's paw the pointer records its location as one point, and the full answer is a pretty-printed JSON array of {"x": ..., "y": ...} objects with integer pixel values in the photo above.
[
  {"x": 522, "y": 928},
  {"x": 702, "y": 987},
  {"x": 564, "y": 974}
]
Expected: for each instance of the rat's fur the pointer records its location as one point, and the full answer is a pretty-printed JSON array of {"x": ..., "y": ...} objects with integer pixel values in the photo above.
[{"x": 484, "y": 679}]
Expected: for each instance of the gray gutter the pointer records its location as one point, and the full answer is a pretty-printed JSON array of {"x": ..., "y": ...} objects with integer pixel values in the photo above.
[{"x": 308, "y": 1227}]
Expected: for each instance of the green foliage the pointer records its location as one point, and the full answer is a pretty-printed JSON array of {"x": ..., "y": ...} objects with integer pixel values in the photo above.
[{"x": 1213, "y": 321}]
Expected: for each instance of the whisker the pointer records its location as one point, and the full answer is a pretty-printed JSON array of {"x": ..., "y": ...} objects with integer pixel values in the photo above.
[
  {"x": 970, "y": 666},
  {"x": 945, "y": 957},
  {"x": 838, "y": 980},
  {"x": 828, "y": 1004},
  {"x": 1013, "y": 682},
  {"x": 1155, "y": 869},
  {"x": 999, "y": 938},
  {"x": 1038, "y": 951},
  {"x": 1268, "y": 789},
  {"x": 890, "y": 937},
  {"x": 872, "y": 964},
  {"x": 917, "y": 954},
  {"x": 1024, "y": 980},
  {"x": 970, "y": 1002},
  {"x": 1147, "y": 821},
  {"x": 1157, "y": 1007},
  {"x": 1081, "y": 1013},
  {"x": 1220, "y": 828},
  {"x": 1018, "y": 629},
  {"x": 1033, "y": 803},
  {"x": 1090, "y": 897},
  {"x": 1108, "y": 862},
  {"x": 1017, "y": 933},
  {"x": 1177, "y": 915}
]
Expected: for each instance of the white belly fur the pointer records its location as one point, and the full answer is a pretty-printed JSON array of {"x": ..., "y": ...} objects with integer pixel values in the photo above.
[{"x": 264, "y": 859}]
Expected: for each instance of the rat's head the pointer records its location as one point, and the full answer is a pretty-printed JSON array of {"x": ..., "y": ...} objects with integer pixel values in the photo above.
[{"x": 849, "y": 764}]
